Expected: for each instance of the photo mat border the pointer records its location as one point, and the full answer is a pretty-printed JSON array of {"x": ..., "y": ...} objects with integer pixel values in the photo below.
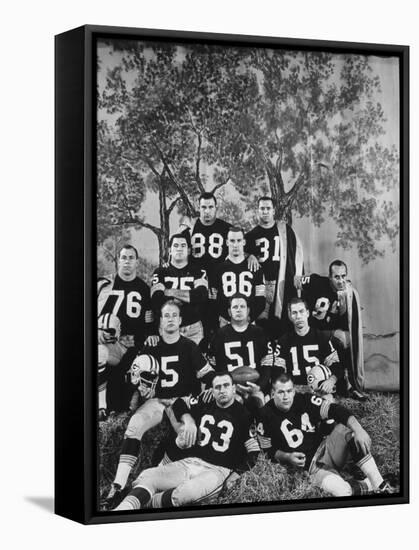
[{"x": 76, "y": 453}]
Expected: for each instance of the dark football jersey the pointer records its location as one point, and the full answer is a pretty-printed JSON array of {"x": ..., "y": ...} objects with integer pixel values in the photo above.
[
  {"x": 189, "y": 278},
  {"x": 231, "y": 278},
  {"x": 231, "y": 349},
  {"x": 130, "y": 302},
  {"x": 209, "y": 246},
  {"x": 298, "y": 354},
  {"x": 182, "y": 366},
  {"x": 323, "y": 302},
  {"x": 265, "y": 245},
  {"x": 297, "y": 430},
  {"x": 225, "y": 436}
]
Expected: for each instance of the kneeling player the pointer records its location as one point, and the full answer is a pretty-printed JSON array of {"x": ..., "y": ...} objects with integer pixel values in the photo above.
[
  {"x": 182, "y": 368},
  {"x": 225, "y": 442},
  {"x": 289, "y": 431}
]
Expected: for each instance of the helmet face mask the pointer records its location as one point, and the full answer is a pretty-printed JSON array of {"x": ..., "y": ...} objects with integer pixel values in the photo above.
[
  {"x": 144, "y": 374},
  {"x": 109, "y": 327}
]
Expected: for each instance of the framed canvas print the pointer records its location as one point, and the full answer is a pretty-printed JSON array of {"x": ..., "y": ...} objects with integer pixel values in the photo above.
[{"x": 231, "y": 274}]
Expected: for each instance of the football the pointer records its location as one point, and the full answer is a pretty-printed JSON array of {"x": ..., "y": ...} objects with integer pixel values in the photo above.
[
  {"x": 241, "y": 375},
  {"x": 316, "y": 376}
]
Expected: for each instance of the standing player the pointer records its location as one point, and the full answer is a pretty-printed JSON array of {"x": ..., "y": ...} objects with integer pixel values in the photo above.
[
  {"x": 234, "y": 276},
  {"x": 182, "y": 368},
  {"x": 241, "y": 344},
  {"x": 225, "y": 442},
  {"x": 125, "y": 320},
  {"x": 289, "y": 431},
  {"x": 298, "y": 351},
  {"x": 276, "y": 248},
  {"x": 209, "y": 236},
  {"x": 184, "y": 282},
  {"x": 335, "y": 307}
]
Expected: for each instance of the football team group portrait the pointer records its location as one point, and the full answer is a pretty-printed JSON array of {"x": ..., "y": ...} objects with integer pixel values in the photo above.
[{"x": 248, "y": 315}]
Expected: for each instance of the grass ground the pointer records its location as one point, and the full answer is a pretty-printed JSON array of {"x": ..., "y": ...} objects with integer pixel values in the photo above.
[{"x": 267, "y": 481}]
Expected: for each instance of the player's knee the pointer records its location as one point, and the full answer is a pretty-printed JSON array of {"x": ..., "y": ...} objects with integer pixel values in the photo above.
[
  {"x": 147, "y": 480},
  {"x": 341, "y": 338},
  {"x": 336, "y": 486},
  {"x": 137, "y": 426}
]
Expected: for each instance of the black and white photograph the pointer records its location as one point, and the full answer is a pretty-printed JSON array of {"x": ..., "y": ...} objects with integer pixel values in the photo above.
[{"x": 248, "y": 242}]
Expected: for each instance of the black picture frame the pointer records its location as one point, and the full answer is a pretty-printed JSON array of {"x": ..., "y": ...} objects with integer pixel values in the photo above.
[{"x": 76, "y": 470}]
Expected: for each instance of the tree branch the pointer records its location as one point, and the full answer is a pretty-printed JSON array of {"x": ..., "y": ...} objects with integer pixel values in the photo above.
[
  {"x": 136, "y": 221},
  {"x": 216, "y": 187},
  {"x": 299, "y": 182},
  {"x": 169, "y": 210}
]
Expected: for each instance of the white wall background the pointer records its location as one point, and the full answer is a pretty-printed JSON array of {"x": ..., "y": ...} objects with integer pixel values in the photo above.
[{"x": 26, "y": 220}]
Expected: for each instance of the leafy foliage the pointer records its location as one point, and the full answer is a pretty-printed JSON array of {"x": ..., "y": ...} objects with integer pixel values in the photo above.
[{"x": 304, "y": 126}]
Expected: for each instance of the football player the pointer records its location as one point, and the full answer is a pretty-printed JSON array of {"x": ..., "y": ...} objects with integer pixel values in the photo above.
[
  {"x": 225, "y": 441},
  {"x": 209, "y": 236},
  {"x": 182, "y": 368},
  {"x": 240, "y": 344},
  {"x": 234, "y": 276},
  {"x": 335, "y": 307},
  {"x": 128, "y": 297},
  {"x": 304, "y": 347},
  {"x": 276, "y": 248},
  {"x": 184, "y": 282},
  {"x": 288, "y": 431}
]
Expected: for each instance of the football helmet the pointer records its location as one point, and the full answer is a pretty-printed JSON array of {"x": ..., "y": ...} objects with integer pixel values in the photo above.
[
  {"x": 316, "y": 376},
  {"x": 109, "y": 327},
  {"x": 144, "y": 373},
  {"x": 102, "y": 357}
]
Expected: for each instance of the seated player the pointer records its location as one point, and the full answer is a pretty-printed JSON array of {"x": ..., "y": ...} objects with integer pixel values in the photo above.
[
  {"x": 304, "y": 347},
  {"x": 180, "y": 367},
  {"x": 241, "y": 344},
  {"x": 233, "y": 276},
  {"x": 335, "y": 307},
  {"x": 184, "y": 282},
  {"x": 220, "y": 439},
  {"x": 288, "y": 430}
]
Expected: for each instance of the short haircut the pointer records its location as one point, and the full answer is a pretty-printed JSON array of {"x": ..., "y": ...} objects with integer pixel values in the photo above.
[
  {"x": 337, "y": 263},
  {"x": 282, "y": 378},
  {"x": 237, "y": 296},
  {"x": 171, "y": 302},
  {"x": 296, "y": 300},
  {"x": 207, "y": 196},
  {"x": 265, "y": 198},
  {"x": 235, "y": 229},
  {"x": 222, "y": 373},
  {"x": 183, "y": 235},
  {"x": 128, "y": 247}
]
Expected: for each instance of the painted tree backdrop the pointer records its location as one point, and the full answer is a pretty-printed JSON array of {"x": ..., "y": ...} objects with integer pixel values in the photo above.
[{"x": 311, "y": 129}]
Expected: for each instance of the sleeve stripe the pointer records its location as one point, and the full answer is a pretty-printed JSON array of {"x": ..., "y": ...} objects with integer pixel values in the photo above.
[
  {"x": 252, "y": 445},
  {"x": 205, "y": 370},
  {"x": 265, "y": 442},
  {"x": 158, "y": 287},
  {"x": 266, "y": 361},
  {"x": 149, "y": 317},
  {"x": 260, "y": 290},
  {"x": 200, "y": 282},
  {"x": 280, "y": 362}
]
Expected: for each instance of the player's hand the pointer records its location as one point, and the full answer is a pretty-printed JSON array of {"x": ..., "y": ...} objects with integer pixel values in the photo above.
[
  {"x": 145, "y": 392},
  {"x": 329, "y": 385},
  {"x": 362, "y": 440},
  {"x": 105, "y": 337},
  {"x": 254, "y": 388},
  {"x": 252, "y": 263},
  {"x": 298, "y": 283},
  {"x": 241, "y": 389},
  {"x": 189, "y": 430},
  {"x": 297, "y": 459},
  {"x": 152, "y": 340}
]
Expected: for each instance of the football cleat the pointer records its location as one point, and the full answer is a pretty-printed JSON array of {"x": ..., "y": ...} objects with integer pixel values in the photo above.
[
  {"x": 114, "y": 496},
  {"x": 357, "y": 395},
  {"x": 144, "y": 373},
  {"x": 385, "y": 489}
]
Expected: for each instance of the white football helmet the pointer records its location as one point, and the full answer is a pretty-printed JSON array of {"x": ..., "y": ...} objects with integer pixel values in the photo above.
[
  {"x": 109, "y": 327},
  {"x": 316, "y": 376},
  {"x": 144, "y": 373},
  {"x": 102, "y": 357}
]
